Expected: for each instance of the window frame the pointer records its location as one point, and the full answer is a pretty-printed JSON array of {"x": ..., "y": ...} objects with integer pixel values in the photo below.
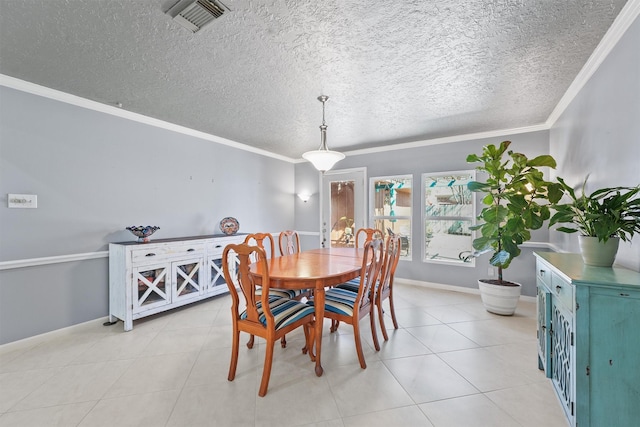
[
  {"x": 453, "y": 262},
  {"x": 373, "y": 217}
]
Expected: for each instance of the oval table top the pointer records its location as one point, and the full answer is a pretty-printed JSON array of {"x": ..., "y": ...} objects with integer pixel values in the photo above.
[{"x": 305, "y": 269}]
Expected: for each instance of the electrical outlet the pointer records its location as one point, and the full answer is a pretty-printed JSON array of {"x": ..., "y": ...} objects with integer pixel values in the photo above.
[
  {"x": 22, "y": 201},
  {"x": 491, "y": 272}
]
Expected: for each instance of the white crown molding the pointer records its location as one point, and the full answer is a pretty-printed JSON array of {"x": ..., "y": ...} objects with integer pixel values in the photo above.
[
  {"x": 450, "y": 139},
  {"x": 57, "y": 95},
  {"x": 620, "y": 25},
  {"x": 445, "y": 140}
]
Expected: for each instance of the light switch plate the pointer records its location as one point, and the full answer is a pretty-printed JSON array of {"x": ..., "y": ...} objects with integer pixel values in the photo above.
[{"x": 23, "y": 201}]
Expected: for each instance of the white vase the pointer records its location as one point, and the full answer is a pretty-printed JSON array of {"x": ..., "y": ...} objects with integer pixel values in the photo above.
[
  {"x": 500, "y": 299},
  {"x": 596, "y": 253}
]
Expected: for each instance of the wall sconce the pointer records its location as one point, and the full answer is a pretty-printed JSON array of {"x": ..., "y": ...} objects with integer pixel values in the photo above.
[{"x": 304, "y": 197}]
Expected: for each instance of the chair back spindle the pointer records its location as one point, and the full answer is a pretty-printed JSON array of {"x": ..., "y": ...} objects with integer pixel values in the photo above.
[
  {"x": 289, "y": 242},
  {"x": 246, "y": 255},
  {"x": 391, "y": 258},
  {"x": 258, "y": 239},
  {"x": 371, "y": 266}
]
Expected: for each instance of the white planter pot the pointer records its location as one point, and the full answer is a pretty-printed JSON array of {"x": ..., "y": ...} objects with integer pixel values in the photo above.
[
  {"x": 500, "y": 299},
  {"x": 596, "y": 253}
]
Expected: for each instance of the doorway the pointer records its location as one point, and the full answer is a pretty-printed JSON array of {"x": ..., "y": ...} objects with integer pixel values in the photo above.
[{"x": 343, "y": 207}]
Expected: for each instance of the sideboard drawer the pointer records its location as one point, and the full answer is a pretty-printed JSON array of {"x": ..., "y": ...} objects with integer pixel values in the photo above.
[
  {"x": 216, "y": 248},
  {"x": 166, "y": 251},
  {"x": 544, "y": 273},
  {"x": 562, "y": 290}
]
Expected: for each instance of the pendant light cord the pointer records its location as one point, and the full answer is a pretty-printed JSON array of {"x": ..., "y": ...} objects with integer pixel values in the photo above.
[{"x": 323, "y": 126}]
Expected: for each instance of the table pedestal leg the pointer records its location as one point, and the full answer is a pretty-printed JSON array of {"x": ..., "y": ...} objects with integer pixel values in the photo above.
[{"x": 319, "y": 308}]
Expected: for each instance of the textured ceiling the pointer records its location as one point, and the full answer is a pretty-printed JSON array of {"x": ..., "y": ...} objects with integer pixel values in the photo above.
[{"x": 395, "y": 71}]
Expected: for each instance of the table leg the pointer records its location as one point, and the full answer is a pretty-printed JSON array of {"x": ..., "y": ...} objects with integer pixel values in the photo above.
[{"x": 318, "y": 297}]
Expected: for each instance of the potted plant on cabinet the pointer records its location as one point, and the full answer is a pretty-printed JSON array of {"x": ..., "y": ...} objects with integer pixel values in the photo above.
[
  {"x": 514, "y": 188},
  {"x": 603, "y": 218}
]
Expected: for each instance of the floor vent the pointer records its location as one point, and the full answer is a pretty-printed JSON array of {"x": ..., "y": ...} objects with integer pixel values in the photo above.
[{"x": 195, "y": 14}]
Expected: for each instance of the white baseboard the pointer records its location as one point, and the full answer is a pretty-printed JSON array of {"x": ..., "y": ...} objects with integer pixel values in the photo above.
[
  {"x": 35, "y": 340},
  {"x": 452, "y": 288}
]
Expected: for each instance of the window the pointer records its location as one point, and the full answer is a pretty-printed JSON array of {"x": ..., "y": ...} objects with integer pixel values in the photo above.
[
  {"x": 391, "y": 208},
  {"x": 449, "y": 211}
]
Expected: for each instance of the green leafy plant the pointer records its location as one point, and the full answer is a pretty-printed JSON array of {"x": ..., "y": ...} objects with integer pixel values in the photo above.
[
  {"x": 514, "y": 188},
  {"x": 605, "y": 213}
]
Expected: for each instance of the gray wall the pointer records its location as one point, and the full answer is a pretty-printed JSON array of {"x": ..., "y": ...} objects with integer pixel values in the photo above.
[
  {"x": 94, "y": 174},
  {"x": 435, "y": 158},
  {"x": 599, "y": 134}
]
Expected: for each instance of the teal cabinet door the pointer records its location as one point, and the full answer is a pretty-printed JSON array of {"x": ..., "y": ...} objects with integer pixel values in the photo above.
[
  {"x": 614, "y": 357},
  {"x": 562, "y": 363},
  {"x": 544, "y": 329}
]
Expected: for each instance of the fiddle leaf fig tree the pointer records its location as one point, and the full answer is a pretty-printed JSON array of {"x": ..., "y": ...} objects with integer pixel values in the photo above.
[{"x": 515, "y": 187}]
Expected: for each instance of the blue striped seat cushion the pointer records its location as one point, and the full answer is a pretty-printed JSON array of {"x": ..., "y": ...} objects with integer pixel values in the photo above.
[
  {"x": 284, "y": 293},
  {"x": 352, "y": 285},
  {"x": 284, "y": 310},
  {"x": 339, "y": 301}
]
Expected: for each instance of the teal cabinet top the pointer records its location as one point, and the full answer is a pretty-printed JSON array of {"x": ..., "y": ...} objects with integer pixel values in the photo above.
[{"x": 576, "y": 272}]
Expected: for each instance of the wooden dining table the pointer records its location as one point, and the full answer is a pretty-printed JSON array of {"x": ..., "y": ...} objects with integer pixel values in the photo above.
[{"x": 317, "y": 269}]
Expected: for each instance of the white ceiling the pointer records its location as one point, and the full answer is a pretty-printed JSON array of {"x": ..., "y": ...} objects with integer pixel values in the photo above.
[{"x": 394, "y": 71}]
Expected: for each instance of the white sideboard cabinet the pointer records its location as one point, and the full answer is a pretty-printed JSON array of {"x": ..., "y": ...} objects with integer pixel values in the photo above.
[
  {"x": 148, "y": 278},
  {"x": 588, "y": 339}
]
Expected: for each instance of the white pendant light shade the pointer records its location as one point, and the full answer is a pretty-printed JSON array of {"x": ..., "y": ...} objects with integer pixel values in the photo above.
[{"x": 323, "y": 159}]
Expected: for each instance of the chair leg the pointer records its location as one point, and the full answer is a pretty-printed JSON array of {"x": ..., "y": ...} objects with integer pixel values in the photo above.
[
  {"x": 382, "y": 326},
  {"x": 283, "y": 341},
  {"x": 305, "y": 349},
  {"x": 334, "y": 325},
  {"x": 392, "y": 310},
  {"x": 356, "y": 336},
  {"x": 234, "y": 354},
  {"x": 309, "y": 337},
  {"x": 250, "y": 342},
  {"x": 266, "y": 371},
  {"x": 374, "y": 334},
  {"x": 311, "y": 340}
]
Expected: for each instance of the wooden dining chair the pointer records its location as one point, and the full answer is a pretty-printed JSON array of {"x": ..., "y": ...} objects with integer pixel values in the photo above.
[
  {"x": 289, "y": 242},
  {"x": 342, "y": 305},
  {"x": 258, "y": 239},
  {"x": 364, "y": 235},
  {"x": 264, "y": 315},
  {"x": 384, "y": 286}
]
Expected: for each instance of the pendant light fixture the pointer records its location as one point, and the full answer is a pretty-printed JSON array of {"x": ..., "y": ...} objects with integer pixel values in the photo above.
[{"x": 323, "y": 159}]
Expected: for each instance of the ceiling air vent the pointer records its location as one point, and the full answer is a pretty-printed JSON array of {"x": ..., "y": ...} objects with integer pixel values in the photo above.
[{"x": 195, "y": 14}]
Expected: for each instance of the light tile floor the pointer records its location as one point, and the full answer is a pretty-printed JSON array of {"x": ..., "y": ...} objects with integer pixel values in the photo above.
[{"x": 449, "y": 364}]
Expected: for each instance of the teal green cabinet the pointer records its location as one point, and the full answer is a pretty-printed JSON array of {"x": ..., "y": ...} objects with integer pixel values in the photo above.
[{"x": 589, "y": 339}]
